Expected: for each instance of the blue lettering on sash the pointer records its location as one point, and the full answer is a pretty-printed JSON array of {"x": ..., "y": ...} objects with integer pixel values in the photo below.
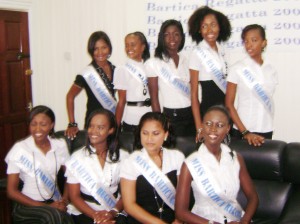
[
  {"x": 198, "y": 167},
  {"x": 261, "y": 93},
  {"x": 248, "y": 76},
  {"x": 143, "y": 163},
  {"x": 175, "y": 82},
  {"x": 258, "y": 89},
  {"x": 106, "y": 100},
  {"x": 101, "y": 193},
  {"x": 211, "y": 192}
]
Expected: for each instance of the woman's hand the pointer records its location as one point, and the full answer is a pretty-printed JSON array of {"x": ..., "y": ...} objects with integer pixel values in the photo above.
[
  {"x": 60, "y": 205},
  {"x": 104, "y": 217},
  {"x": 71, "y": 132},
  {"x": 176, "y": 221},
  {"x": 254, "y": 139}
]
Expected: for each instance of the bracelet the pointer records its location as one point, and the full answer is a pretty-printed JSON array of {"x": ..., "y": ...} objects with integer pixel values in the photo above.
[
  {"x": 245, "y": 132},
  {"x": 116, "y": 210},
  {"x": 199, "y": 131},
  {"x": 72, "y": 124}
]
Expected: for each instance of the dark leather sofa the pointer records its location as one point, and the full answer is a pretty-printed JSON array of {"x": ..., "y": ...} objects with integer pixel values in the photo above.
[{"x": 274, "y": 168}]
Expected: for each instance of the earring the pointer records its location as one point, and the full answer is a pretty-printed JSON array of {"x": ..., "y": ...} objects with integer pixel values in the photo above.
[
  {"x": 165, "y": 139},
  {"x": 108, "y": 56},
  {"x": 227, "y": 139}
]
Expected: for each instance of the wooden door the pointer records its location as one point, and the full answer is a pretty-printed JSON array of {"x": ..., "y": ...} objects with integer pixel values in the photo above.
[{"x": 15, "y": 80}]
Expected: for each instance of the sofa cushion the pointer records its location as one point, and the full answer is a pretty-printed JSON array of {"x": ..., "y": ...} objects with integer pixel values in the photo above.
[
  {"x": 272, "y": 198},
  {"x": 265, "y": 162},
  {"x": 291, "y": 162},
  {"x": 291, "y": 212}
]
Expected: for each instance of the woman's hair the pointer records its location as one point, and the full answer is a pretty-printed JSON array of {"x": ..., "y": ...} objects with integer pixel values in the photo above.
[
  {"x": 197, "y": 18},
  {"x": 41, "y": 109},
  {"x": 98, "y": 35},
  {"x": 161, "y": 50},
  {"x": 221, "y": 109},
  {"x": 112, "y": 139},
  {"x": 254, "y": 27},
  {"x": 143, "y": 39},
  {"x": 165, "y": 123}
]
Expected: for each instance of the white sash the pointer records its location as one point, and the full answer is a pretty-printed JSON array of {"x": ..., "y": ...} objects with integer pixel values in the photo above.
[
  {"x": 171, "y": 79},
  {"x": 213, "y": 67},
  {"x": 25, "y": 162},
  {"x": 99, "y": 89},
  {"x": 82, "y": 171},
  {"x": 206, "y": 184},
  {"x": 249, "y": 78},
  {"x": 137, "y": 73},
  {"x": 156, "y": 178}
]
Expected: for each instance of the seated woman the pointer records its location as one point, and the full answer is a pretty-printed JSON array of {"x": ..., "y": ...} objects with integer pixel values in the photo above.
[
  {"x": 93, "y": 172},
  {"x": 36, "y": 161},
  {"x": 215, "y": 174},
  {"x": 149, "y": 176}
]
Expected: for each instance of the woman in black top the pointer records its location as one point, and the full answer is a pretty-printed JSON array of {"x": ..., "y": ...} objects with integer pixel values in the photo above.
[{"x": 100, "y": 49}]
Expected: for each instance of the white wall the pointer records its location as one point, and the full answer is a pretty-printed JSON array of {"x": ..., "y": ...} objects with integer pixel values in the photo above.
[{"x": 59, "y": 30}]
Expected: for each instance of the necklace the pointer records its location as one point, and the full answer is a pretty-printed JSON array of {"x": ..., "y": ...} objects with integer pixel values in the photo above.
[
  {"x": 36, "y": 182},
  {"x": 160, "y": 208}
]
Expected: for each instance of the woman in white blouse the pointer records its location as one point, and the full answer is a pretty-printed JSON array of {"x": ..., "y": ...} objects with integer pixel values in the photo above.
[
  {"x": 93, "y": 172},
  {"x": 36, "y": 161}
]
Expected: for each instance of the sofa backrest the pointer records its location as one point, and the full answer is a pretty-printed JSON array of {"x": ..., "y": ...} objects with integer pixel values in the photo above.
[
  {"x": 266, "y": 167},
  {"x": 264, "y": 162}
]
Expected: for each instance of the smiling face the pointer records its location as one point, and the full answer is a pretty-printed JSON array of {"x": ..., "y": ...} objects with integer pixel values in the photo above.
[
  {"x": 254, "y": 43},
  {"x": 134, "y": 47},
  {"x": 40, "y": 127},
  {"x": 172, "y": 38},
  {"x": 152, "y": 136},
  {"x": 99, "y": 129},
  {"x": 101, "y": 51},
  {"x": 209, "y": 29},
  {"x": 215, "y": 127}
]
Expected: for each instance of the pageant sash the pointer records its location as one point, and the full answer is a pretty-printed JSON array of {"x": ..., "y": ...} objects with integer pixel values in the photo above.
[
  {"x": 137, "y": 73},
  {"x": 82, "y": 171},
  {"x": 99, "y": 89},
  {"x": 213, "y": 67},
  {"x": 206, "y": 184},
  {"x": 167, "y": 75},
  {"x": 25, "y": 162},
  {"x": 156, "y": 178},
  {"x": 249, "y": 78}
]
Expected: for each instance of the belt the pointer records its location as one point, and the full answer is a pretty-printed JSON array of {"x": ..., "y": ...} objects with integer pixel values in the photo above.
[{"x": 146, "y": 103}]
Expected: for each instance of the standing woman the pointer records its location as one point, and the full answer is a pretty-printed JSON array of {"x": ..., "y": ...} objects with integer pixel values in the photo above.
[
  {"x": 93, "y": 172},
  {"x": 253, "y": 80},
  {"x": 149, "y": 176},
  {"x": 96, "y": 79},
  {"x": 36, "y": 161},
  {"x": 208, "y": 69},
  {"x": 131, "y": 82},
  {"x": 216, "y": 174},
  {"x": 168, "y": 77}
]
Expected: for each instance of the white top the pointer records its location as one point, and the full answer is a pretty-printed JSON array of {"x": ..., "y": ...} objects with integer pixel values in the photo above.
[
  {"x": 124, "y": 80},
  {"x": 172, "y": 160},
  {"x": 45, "y": 162},
  {"x": 110, "y": 171},
  {"x": 171, "y": 96},
  {"x": 226, "y": 179},
  {"x": 250, "y": 109},
  {"x": 196, "y": 64}
]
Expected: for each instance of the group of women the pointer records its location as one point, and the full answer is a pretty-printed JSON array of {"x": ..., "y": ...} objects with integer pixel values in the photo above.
[{"x": 158, "y": 98}]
